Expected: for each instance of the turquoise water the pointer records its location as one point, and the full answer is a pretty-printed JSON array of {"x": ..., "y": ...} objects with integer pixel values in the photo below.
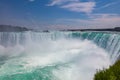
[{"x": 56, "y": 55}]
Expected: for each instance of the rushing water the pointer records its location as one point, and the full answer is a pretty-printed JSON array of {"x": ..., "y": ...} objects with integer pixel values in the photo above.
[{"x": 56, "y": 55}]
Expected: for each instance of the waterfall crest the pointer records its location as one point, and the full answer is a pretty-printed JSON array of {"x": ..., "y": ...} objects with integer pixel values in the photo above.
[
  {"x": 108, "y": 41},
  {"x": 56, "y": 55}
]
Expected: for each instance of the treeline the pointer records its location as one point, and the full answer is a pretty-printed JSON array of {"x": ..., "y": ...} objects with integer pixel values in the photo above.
[
  {"x": 113, "y": 73},
  {"x": 116, "y": 29},
  {"x": 9, "y": 28}
]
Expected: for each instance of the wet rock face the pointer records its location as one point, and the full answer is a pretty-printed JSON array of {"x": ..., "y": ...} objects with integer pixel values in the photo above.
[{"x": 8, "y": 28}]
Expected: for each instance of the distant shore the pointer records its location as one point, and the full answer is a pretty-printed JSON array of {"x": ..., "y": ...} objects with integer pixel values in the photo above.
[
  {"x": 117, "y": 29},
  {"x": 9, "y": 28}
]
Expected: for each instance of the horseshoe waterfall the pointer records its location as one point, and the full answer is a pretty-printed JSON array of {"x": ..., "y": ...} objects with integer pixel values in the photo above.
[{"x": 56, "y": 55}]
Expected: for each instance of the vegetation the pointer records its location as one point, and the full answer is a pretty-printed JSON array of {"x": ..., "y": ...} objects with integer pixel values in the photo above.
[
  {"x": 9, "y": 28},
  {"x": 113, "y": 73}
]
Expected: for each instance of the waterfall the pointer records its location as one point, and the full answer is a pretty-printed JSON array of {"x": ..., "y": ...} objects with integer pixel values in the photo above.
[{"x": 56, "y": 55}]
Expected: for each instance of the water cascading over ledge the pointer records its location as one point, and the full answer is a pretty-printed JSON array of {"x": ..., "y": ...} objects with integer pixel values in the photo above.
[
  {"x": 109, "y": 41},
  {"x": 56, "y": 55}
]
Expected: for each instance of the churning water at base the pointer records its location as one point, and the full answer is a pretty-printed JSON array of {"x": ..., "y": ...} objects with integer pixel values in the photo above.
[{"x": 55, "y": 55}]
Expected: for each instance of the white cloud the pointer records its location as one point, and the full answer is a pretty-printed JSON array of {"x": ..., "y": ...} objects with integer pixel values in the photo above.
[
  {"x": 108, "y": 5},
  {"x": 60, "y": 2},
  {"x": 97, "y": 21},
  {"x": 31, "y": 0},
  {"x": 93, "y": 20},
  {"x": 74, "y": 5},
  {"x": 86, "y": 7}
]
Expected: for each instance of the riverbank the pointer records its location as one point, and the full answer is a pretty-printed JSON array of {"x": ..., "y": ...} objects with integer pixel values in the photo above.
[{"x": 113, "y": 73}]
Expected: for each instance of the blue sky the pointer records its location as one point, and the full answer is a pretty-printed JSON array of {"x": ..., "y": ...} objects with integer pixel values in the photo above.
[{"x": 60, "y": 14}]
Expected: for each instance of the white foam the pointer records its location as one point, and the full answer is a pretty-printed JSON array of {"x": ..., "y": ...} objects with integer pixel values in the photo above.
[{"x": 84, "y": 58}]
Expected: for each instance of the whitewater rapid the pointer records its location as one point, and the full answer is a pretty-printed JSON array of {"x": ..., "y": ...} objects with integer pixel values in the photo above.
[{"x": 54, "y": 55}]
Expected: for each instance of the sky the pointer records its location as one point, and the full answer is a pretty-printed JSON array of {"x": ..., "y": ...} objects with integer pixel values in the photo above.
[{"x": 60, "y": 14}]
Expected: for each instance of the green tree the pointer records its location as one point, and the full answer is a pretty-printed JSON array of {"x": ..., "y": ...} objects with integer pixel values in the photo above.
[{"x": 113, "y": 73}]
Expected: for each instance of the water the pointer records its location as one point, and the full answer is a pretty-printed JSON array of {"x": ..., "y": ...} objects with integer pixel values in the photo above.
[{"x": 56, "y": 55}]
